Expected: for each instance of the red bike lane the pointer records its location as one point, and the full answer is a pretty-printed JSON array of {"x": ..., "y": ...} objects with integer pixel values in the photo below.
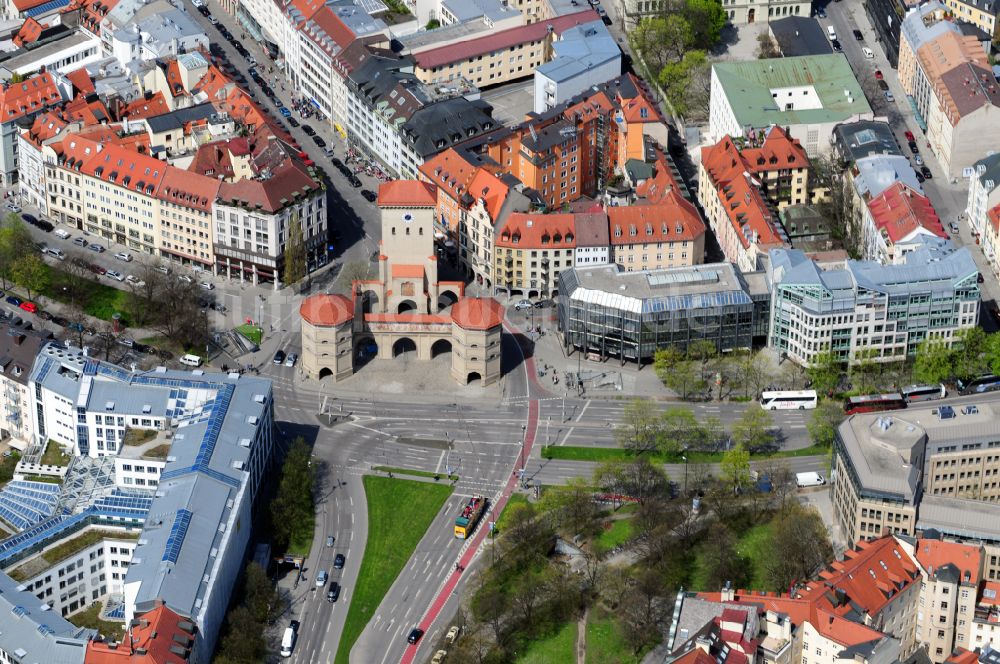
[{"x": 482, "y": 532}]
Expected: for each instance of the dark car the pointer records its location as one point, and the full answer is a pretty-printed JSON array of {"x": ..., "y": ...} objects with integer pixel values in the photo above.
[
  {"x": 334, "y": 592},
  {"x": 60, "y": 321},
  {"x": 913, "y": 147},
  {"x": 336, "y": 162},
  {"x": 279, "y": 357},
  {"x": 882, "y": 85},
  {"x": 16, "y": 301},
  {"x": 858, "y": 35},
  {"x": 29, "y": 219},
  {"x": 97, "y": 269},
  {"x": 920, "y": 176},
  {"x": 319, "y": 142},
  {"x": 414, "y": 635},
  {"x": 338, "y": 561},
  {"x": 293, "y": 122},
  {"x": 45, "y": 226},
  {"x": 979, "y": 278},
  {"x": 835, "y": 44},
  {"x": 308, "y": 130},
  {"x": 345, "y": 171},
  {"x": 369, "y": 195},
  {"x": 926, "y": 172},
  {"x": 44, "y": 315}
]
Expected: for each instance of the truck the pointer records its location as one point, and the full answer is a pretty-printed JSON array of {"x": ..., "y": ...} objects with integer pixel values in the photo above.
[
  {"x": 472, "y": 512},
  {"x": 803, "y": 480}
]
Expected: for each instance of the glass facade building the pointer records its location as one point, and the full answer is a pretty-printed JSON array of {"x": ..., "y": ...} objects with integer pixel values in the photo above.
[{"x": 630, "y": 315}]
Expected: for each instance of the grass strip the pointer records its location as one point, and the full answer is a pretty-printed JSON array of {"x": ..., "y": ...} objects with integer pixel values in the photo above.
[
  {"x": 416, "y": 473},
  {"x": 399, "y": 512}
]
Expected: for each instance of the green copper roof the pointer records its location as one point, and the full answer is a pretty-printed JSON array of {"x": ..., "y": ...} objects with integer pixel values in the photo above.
[{"x": 748, "y": 87}]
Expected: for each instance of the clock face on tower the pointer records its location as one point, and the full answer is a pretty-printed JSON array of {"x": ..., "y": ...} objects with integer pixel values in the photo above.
[{"x": 407, "y": 217}]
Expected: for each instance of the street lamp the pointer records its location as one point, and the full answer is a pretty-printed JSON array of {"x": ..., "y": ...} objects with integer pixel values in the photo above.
[{"x": 685, "y": 474}]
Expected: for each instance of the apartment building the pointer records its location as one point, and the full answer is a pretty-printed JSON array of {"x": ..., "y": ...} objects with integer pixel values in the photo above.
[
  {"x": 18, "y": 349},
  {"x": 921, "y": 26},
  {"x": 896, "y": 222},
  {"x": 20, "y": 103},
  {"x": 960, "y": 123},
  {"x": 737, "y": 211},
  {"x": 984, "y": 194},
  {"x": 34, "y": 632},
  {"x": 497, "y": 57},
  {"x": 583, "y": 56},
  {"x": 531, "y": 252},
  {"x": 881, "y": 312},
  {"x": 981, "y": 13},
  {"x": 951, "y": 574},
  {"x": 654, "y": 237},
  {"x": 808, "y": 95}
]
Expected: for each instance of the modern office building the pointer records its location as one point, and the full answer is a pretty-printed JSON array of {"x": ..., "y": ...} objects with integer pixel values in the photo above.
[
  {"x": 611, "y": 312},
  {"x": 862, "y": 308},
  {"x": 922, "y": 470},
  {"x": 584, "y": 55}
]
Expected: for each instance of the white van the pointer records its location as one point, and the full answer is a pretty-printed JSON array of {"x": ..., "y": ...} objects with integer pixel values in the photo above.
[
  {"x": 831, "y": 32},
  {"x": 803, "y": 480},
  {"x": 288, "y": 642},
  {"x": 869, "y": 54},
  {"x": 190, "y": 360},
  {"x": 61, "y": 234}
]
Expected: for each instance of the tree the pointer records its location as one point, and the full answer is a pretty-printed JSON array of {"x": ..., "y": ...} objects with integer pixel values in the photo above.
[
  {"x": 571, "y": 508},
  {"x": 295, "y": 253},
  {"x": 640, "y": 427},
  {"x": 677, "y": 371},
  {"x": 243, "y": 640},
  {"x": 798, "y": 547},
  {"x": 864, "y": 367},
  {"x": 491, "y": 605},
  {"x": 754, "y": 429},
  {"x": 643, "y": 609},
  {"x": 259, "y": 594},
  {"x": 351, "y": 272},
  {"x": 293, "y": 503},
  {"x": 835, "y": 201},
  {"x": 31, "y": 273},
  {"x": 735, "y": 467},
  {"x": 970, "y": 345},
  {"x": 707, "y": 18},
  {"x": 686, "y": 83},
  {"x": 15, "y": 242},
  {"x": 767, "y": 47},
  {"x": 823, "y": 423},
  {"x": 526, "y": 538},
  {"x": 993, "y": 352},
  {"x": 702, "y": 352},
  {"x": 722, "y": 561},
  {"x": 934, "y": 362},
  {"x": 824, "y": 372},
  {"x": 752, "y": 372},
  {"x": 643, "y": 480},
  {"x": 662, "y": 40},
  {"x": 681, "y": 431}
]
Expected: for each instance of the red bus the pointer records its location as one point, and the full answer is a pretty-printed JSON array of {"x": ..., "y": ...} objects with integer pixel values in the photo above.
[{"x": 872, "y": 403}]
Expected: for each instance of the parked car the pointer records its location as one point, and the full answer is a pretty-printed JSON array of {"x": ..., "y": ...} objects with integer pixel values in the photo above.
[
  {"x": 163, "y": 269},
  {"x": 882, "y": 85},
  {"x": 135, "y": 281},
  {"x": 355, "y": 182},
  {"x": 857, "y": 35},
  {"x": 308, "y": 130},
  {"x": 13, "y": 208},
  {"x": 60, "y": 321},
  {"x": 186, "y": 279},
  {"x": 279, "y": 357},
  {"x": 13, "y": 299},
  {"x": 835, "y": 45},
  {"x": 888, "y": 97},
  {"x": 369, "y": 195},
  {"x": 124, "y": 256},
  {"x": 926, "y": 172},
  {"x": 93, "y": 246},
  {"x": 878, "y": 75},
  {"x": 336, "y": 162},
  {"x": 291, "y": 359},
  {"x": 44, "y": 315},
  {"x": 80, "y": 241},
  {"x": 918, "y": 160},
  {"x": 29, "y": 218},
  {"x": 914, "y": 148},
  {"x": 97, "y": 269},
  {"x": 284, "y": 112},
  {"x": 319, "y": 142},
  {"x": 293, "y": 122},
  {"x": 920, "y": 176},
  {"x": 338, "y": 561},
  {"x": 522, "y": 305},
  {"x": 953, "y": 227},
  {"x": 909, "y": 136},
  {"x": 204, "y": 285},
  {"x": 116, "y": 275},
  {"x": 820, "y": 13},
  {"x": 30, "y": 307}
]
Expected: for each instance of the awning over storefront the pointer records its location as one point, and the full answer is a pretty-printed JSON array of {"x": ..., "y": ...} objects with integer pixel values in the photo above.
[{"x": 916, "y": 113}]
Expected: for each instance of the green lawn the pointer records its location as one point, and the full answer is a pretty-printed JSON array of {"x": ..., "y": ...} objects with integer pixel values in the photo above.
[
  {"x": 102, "y": 300},
  {"x": 600, "y": 454},
  {"x": 560, "y": 647},
  {"x": 254, "y": 333},
  {"x": 90, "y": 617},
  {"x": 54, "y": 455},
  {"x": 399, "y": 512},
  {"x": 8, "y": 465},
  {"x": 605, "y": 644},
  {"x": 752, "y": 545},
  {"x": 416, "y": 473},
  {"x": 618, "y": 533}
]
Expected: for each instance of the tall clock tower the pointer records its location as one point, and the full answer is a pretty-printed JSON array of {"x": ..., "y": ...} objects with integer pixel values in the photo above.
[{"x": 408, "y": 264}]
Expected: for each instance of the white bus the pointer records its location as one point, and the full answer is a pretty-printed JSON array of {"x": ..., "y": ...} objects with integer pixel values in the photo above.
[
  {"x": 924, "y": 392},
  {"x": 785, "y": 400}
]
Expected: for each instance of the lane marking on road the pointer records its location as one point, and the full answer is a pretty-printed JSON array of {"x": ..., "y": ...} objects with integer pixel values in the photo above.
[{"x": 437, "y": 468}]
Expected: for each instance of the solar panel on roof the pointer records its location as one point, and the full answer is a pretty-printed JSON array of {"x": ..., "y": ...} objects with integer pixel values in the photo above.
[
  {"x": 685, "y": 277},
  {"x": 47, "y": 7},
  {"x": 176, "y": 538}
]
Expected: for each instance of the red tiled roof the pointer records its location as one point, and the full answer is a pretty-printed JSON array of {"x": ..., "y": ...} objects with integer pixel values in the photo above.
[
  {"x": 491, "y": 190},
  {"x": 899, "y": 211},
  {"x": 327, "y": 310},
  {"x": 156, "y": 638},
  {"x": 656, "y": 188},
  {"x": 778, "y": 151},
  {"x": 289, "y": 178},
  {"x": 188, "y": 189},
  {"x": 695, "y": 656},
  {"x": 673, "y": 220},
  {"x": 932, "y": 554},
  {"x": 963, "y": 656},
  {"x": 841, "y": 630},
  {"x": 407, "y": 193},
  {"x": 29, "y": 96},
  {"x": 45, "y": 127},
  {"x": 994, "y": 215},
  {"x": 175, "y": 82},
  {"x": 87, "y": 112},
  {"x": 82, "y": 83},
  {"x": 146, "y": 108},
  {"x": 330, "y": 25},
  {"x": 993, "y": 586},
  {"x": 30, "y": 31},
  {"x": 450, "y": 171},
  {"x": 524, "y": 230},
  {"x": 739, "y": 196},
  {"x": 102, "y": 161},
  {"x": 499, "y": 41},
  {"x": 477, "y": 313}
]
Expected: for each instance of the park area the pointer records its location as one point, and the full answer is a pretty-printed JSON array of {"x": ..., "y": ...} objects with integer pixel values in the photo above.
[{"x": 399, "y": 513}]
